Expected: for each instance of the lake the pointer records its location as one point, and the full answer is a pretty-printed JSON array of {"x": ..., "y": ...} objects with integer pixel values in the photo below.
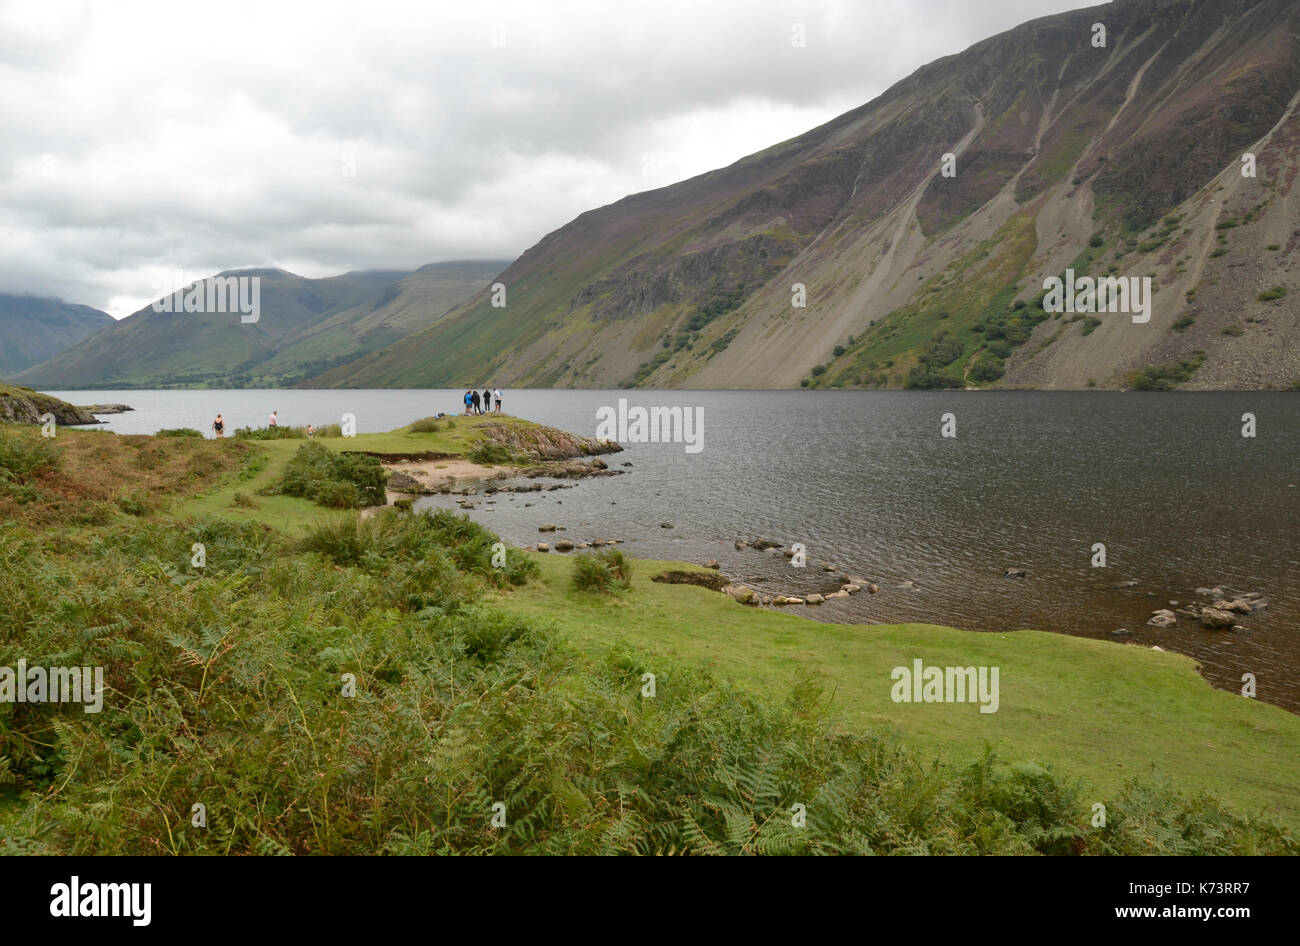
[{"x": 865, "y": 481}]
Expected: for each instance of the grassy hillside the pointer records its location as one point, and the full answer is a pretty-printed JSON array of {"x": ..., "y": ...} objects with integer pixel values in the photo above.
[
  {"x": 33, "y": 329},
  {"x": 227, "y": 685},
  {"x": 305, "y": 326},
  {"x": 1059, "y": 149}
]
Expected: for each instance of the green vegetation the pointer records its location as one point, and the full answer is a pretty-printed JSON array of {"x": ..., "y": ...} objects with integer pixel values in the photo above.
[
  {"x": 1183, "y": 322},
  {"x": 606, "y": 571},
  {"x": 1167, "y": 377},
  {"x": 1269, "y": 295},
  {"x": 489, "y": 452},
  {"x": 1232, "y": 330},
  {"x": 377, "y": 684},
  {"x": 179, "y": 432},
  {"x": 336, "y": 480}
]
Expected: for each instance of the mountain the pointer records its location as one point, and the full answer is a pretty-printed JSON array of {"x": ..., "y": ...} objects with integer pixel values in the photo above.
[
  {"x": 33, "y": 329},
  {"x": 304, "y": 326},
  {"x": 1121, "y": 157}
]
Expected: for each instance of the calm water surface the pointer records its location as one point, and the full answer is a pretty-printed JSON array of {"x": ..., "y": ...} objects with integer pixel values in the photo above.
[{"x": 866, "y": 482}]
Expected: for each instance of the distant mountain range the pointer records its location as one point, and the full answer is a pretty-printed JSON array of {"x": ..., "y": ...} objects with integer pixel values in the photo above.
[
  {"x": 304, "y": 326},
  {"x": 1122, "y": 159},
  {"x": 907, "y": 243},
  {"x": 34, "y": 329}
]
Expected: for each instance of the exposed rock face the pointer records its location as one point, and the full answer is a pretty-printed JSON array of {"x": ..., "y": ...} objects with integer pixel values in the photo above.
[
  {"x": 547, "y": 443},
  {"x": 25, "y": 406},
  {"x": 1045, "y": 129}
]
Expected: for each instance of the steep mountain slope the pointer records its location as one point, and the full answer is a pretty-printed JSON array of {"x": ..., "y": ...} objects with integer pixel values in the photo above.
[
  {"x": 34, "y": 329},
  {"x": 305, "y": 326},
  {"x": 1120, "y": 159}
]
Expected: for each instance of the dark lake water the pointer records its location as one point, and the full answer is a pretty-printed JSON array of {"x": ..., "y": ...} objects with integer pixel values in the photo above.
[{"x": 865, "y": 481}]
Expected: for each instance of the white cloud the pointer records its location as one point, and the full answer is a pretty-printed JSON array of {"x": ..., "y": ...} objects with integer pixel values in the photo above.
[{"x": 143, "y": 137}]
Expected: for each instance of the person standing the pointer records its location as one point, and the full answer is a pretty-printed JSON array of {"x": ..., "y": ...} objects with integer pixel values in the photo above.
[
  {"x": 311, "y": 431},
  {"x": 273, "y": 420},
  {"x": 498, "y": 400},
  {"x": 487, "y": 400},
  {"x": 468, "y": 403},
  {"x": 219, "y": 426},
  {"x": 475, "y": 402}
]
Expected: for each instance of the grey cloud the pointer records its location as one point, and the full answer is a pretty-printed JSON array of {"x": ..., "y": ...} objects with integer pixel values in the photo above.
[{"x": 147, "y": 135}]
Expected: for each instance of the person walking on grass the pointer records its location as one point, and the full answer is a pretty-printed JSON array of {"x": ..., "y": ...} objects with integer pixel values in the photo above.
[
  {"x": 498, "y": 400},
  {"x": 219, "y": 426}
]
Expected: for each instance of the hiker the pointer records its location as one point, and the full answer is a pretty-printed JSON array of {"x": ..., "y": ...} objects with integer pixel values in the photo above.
[
  {"x": 311, "y": 431},
  {"x": 272, "y": 421},
  {"x": 476, "y": 401},
  {"x": 219, "y": 426},
  {"x": 498, "y": 400},
  {"x": 487, "y": 401},
  {"x": 468, "y": 403}
]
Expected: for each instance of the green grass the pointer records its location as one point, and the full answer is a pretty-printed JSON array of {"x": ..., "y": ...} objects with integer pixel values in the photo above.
[
  {"x": 482, "y": 677},
  {"x": 1097, "y": 710}
]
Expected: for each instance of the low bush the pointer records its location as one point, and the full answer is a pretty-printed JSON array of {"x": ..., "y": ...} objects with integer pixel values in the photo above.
[
  {"x": 335, "y": 480},
  {"x": 603, "y": 572}
]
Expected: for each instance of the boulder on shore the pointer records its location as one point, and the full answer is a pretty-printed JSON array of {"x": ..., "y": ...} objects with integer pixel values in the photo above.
[{"x": 1216, "y": 619}]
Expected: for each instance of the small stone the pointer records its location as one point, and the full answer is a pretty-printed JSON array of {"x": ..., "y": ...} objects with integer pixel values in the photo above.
[
  {"x": 872, "y": 588},
  {"x": 546, "y": 527},
  {"x": 850, "y": 588},
  {"x": 1014, "y": 573},
  {"x": 564, "y": 545},
  {"x": 543, "y": 547},
  {"x": 665, "y": 525},
  {"x": 816, "y": 599}
]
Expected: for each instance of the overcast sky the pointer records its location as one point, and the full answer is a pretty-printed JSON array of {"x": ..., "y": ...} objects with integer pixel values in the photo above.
[{"x": 142, "y": 140}]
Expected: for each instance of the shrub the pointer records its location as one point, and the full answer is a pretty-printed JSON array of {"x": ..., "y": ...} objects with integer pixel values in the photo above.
[
  {"x": 1232, "y": 330},
  {"x": 1183, "y": 323},
  {"x": 603, "y": 572},
  {"x": 986, "y": 368},
  {"x": 271, "y": 433},
  {"x": 1166, "y": 377},
  {"x": 335, "y": 480},
  {"x": 1268, "y": 295},
  {"x": 426, "y": 425},
  {"x": 818, "y": 371},
  {"x": 24, "y": 453},
  {"x": 179, "y": 432},
  {"x": 488, "y": 452},
  {"x": 838, "y": 350}
]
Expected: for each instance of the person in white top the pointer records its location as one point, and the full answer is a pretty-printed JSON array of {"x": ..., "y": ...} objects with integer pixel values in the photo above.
[
  {"x": 273, "y": 421},
  {"x": 497, "y": 395}
]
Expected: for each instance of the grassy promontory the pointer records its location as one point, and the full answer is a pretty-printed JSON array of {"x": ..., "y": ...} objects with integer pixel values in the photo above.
[{"x": 330, "y": 683}]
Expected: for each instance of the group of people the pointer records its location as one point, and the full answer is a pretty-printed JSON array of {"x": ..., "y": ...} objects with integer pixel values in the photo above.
[
  {"x": 219, "y": 425},
  {"x": 482, "y": 404}
]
